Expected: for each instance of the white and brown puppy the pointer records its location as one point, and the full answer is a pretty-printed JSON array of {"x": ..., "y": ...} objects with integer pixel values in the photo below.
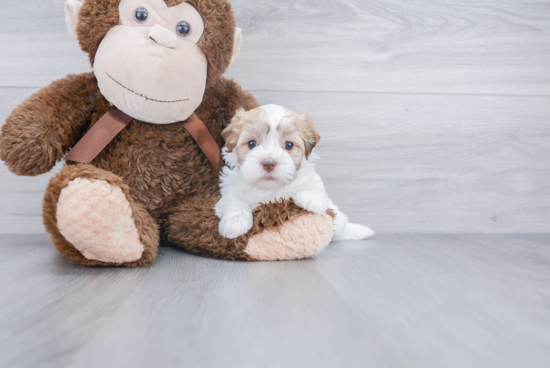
[{"x": 269, "y": 153}]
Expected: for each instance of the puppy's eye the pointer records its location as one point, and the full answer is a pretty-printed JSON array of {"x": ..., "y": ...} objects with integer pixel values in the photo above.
[
  {"x": 289, "y": 146},
  {"x": 141, "y": 15},
  {"x": 183, "y": 29},
  {"x": 252, "y": 144}
]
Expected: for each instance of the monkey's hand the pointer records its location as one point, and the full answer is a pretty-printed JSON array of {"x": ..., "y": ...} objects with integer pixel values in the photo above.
[{"x": 45, "y": 126}]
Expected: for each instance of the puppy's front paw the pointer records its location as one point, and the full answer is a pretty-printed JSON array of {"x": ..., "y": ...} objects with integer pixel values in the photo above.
[
  {"x": 235, "y": 224},
  {"x": 312, "y": 202}
]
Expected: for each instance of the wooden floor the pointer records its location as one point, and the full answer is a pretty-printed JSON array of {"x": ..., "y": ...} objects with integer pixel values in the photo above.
[{"x": 392, "y": 301}]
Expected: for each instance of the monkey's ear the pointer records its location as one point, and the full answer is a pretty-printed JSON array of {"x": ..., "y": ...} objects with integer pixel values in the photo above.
[
  {"x": 237, "y": 44},
  {"x": 72, "y": 7}
]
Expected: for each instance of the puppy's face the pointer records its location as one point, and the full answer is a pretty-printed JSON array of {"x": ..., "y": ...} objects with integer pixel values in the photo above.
[{"x": 270, "y": 143}]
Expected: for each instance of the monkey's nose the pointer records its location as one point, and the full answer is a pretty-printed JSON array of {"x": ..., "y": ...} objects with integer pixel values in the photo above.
[
  {"x": 163, "y": 37},
  {"x": 269, "y": 165}
]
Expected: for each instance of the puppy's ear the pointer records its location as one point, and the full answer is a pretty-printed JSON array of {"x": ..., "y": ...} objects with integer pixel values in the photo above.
[
  {"x": 230, "y": 136},
  {"x": 308, "y": 133},
  {"x": 232, "y": 132}
]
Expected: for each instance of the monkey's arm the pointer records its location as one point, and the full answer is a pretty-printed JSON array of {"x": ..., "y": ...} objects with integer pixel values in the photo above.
[{"x": 48, "y": 124}]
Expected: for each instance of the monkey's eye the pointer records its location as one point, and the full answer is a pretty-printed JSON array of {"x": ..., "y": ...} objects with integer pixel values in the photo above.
[
  {"x": 183, "y": 29},
  {"x": 141, "y": 15},
  {"x": 252, "y": 144},
  {"x": 289, "y": 146}
]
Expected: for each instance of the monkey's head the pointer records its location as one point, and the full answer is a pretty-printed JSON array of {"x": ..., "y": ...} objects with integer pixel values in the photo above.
[{"x": 153, "y": 59}]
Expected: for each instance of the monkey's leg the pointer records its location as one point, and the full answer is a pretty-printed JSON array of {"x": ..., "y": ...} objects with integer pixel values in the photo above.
[
  {"x": 94, "y": 221},
  {"x": 281, "y": 231}
]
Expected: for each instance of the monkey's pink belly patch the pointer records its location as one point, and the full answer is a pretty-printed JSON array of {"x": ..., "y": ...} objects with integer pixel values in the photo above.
[
  {"x": 96, "y": 218},
  {"x": 302, "y": 237}
]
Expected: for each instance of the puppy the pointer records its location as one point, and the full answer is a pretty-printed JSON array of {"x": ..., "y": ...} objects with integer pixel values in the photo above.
[{"x": 269, "y": 156}]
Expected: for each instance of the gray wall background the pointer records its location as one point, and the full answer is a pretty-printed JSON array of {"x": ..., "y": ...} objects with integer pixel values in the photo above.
[{"x": 435, "y": 115}]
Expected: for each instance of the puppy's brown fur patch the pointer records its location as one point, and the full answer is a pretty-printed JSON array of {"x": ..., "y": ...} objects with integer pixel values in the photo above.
[
  {"x": 291, "y": 132},
  {"x": 252, "y": 125},
  {"x": 245, "y": 127},
  {"x": 309, "y": 135}
]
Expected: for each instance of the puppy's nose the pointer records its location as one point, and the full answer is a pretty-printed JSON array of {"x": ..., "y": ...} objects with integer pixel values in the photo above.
[
  {"x": 163, "y": 37},
  {"x": 269, "y": 165}
]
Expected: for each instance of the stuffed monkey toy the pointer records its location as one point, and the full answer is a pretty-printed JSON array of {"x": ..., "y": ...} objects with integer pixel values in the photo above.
[{"x": 141, "y": 138}]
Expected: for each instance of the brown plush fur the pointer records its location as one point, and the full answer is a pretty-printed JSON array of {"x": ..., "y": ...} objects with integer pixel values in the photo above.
[
  {"x": 167, "y": 179},
  {"x": 48, "y": 124}
]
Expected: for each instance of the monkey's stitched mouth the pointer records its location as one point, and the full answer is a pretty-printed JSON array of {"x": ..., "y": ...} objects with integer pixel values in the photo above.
[{"x": 139, "y": 94}]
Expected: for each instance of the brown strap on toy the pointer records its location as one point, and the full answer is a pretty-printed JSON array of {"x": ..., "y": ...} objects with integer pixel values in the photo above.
[
  {"x": 112, "y": 123},
  {"x": 101, "y": 134},
  {"x": 198, "y": 130}
]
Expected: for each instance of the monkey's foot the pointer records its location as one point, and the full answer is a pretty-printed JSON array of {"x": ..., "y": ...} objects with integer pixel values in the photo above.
[
  {"x": 96, "y": 218},
  {"x": 301, "y": 237},
  {"x": 94, "y": 221},
  {"x": 281, "y": 231}
]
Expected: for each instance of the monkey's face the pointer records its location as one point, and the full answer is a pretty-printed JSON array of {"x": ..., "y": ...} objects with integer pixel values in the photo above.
[
  {"x": 153, "y": 59},
  {"x": 150, "y": 66}
]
